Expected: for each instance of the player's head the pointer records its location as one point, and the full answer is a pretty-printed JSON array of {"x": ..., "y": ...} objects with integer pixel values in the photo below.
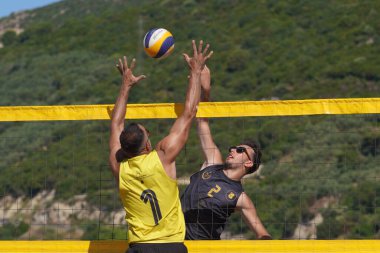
[
  {"x": 246, "y": 154},
  {"x": 134, "y": 139}
]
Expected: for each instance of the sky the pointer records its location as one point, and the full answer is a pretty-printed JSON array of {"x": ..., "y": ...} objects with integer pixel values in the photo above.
[{"x": 9, "y": 6}]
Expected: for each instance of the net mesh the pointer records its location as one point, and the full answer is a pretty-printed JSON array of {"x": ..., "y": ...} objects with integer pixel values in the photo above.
[{"x": 319, "y": 177}]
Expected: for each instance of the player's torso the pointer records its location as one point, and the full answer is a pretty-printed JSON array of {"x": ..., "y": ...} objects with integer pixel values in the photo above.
[
  {"x": 208, "y": 201},
  {"x": 211, "y": 187},
  {"x": 151, "y": 201}
]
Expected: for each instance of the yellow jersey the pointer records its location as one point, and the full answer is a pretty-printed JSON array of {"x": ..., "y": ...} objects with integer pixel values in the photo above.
[{"x": 151, "y": 201}]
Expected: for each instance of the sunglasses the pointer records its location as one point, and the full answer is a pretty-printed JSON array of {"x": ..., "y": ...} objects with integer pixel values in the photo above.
[{"x": 239, "y": 150}]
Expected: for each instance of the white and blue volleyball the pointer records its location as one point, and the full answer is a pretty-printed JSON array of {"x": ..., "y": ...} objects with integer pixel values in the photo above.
[{"x": 158, "y": 43}]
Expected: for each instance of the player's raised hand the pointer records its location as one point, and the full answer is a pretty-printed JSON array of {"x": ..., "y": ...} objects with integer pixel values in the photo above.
[
  {"x": 127, "y": 72},
  {"x": 200, "y": 56}
]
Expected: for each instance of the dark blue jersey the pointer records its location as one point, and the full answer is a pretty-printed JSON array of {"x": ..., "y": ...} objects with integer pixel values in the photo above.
[{"x": 208, "y": 201}]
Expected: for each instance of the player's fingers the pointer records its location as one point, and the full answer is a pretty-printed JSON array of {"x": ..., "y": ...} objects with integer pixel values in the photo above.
[
  {"x": 206, "y": 49},
  {"x": 119, "y": 68},
  {"x": 125, "y": 62},
  {"x": 187, "y": 58},
  {"x": 194, "y": 48},
  {"x": 133, "y": 64},
  {"x": 209, "y": 55},
  {"x": 200, "y": 47},
  {"x": 140, "y": 78}
]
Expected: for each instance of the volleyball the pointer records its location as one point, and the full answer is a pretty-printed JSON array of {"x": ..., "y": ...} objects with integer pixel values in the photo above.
[{"x": 158, "y": 43}]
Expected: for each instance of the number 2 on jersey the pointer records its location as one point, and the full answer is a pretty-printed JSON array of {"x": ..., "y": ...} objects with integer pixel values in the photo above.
[
  {"x": 151, "y": 196},
  {"x": 216, "y": 189}
]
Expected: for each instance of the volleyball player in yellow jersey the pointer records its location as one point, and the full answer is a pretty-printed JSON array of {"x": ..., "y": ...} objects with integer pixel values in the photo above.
[{"x": 147, "y": 176}]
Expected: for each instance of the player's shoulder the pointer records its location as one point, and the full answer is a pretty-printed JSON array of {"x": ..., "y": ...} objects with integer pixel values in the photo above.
[{"x": 244, "y": 200}]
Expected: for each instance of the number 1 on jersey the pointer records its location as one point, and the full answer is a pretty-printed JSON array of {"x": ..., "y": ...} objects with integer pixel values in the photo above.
[{"x": 151, "y": 196}]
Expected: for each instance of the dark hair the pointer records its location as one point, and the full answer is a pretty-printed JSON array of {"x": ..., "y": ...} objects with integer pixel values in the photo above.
[
  {"x": 256, "y": 157},
  {"x": 131, "y": 139}
]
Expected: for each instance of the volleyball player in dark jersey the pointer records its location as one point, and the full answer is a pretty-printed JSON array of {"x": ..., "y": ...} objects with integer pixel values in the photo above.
[{"x": 215, "y": 192}]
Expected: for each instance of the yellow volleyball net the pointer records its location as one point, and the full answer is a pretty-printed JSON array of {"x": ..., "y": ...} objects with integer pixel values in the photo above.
[
  {"x": 319, "y": 179},
  {"x": 210, "y": 109}
]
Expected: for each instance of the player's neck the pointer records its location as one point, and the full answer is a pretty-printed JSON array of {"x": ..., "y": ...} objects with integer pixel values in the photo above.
[{"x": 235, "y": 174}]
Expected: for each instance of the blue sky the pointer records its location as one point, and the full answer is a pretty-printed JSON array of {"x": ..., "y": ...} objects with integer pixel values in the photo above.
[{"x": 9, "y": 6}]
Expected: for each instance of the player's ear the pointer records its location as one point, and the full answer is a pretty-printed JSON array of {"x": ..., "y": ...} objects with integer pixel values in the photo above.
[
  {"x": 248, "y": 164},
  {"x": 148, "y": 145}
]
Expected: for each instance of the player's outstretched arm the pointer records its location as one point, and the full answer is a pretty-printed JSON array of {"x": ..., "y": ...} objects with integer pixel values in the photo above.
[
  {"x": 210, "y": 151},
  {"x": 119, "y": 111},
  {"x": 169, "y": 147},
  {"x": 248, "y": 211}
]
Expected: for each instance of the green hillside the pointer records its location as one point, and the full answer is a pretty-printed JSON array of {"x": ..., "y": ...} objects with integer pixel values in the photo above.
[{"x": 263, "y": 50}]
